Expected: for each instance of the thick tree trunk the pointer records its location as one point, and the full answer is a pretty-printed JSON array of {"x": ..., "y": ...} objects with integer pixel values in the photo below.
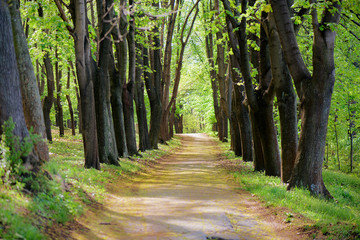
[
  {"x": 117, "y": 112},
  {"x": 118, "y": 79},
  {"x": 108, "y": 152},
  {"x": 11, "y": 100},
  {"x": 286, "y": 100},
  {"x": 85, "y": 75},
  {"x": 260, "y": 102},
  {"x": 128, "y": 90},
  {"x": 153, "y": 89},
  {"x": 49, "y": 99},
  {"x": 314, "y": 91},
  {"x": 29, "y": 89}
]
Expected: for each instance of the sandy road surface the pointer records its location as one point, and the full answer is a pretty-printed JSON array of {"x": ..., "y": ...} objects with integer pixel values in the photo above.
[{"x": 186, "y": 197}]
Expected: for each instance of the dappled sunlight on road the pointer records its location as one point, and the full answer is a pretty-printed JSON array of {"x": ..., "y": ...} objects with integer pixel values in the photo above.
[{"x": 186, "y": 196}]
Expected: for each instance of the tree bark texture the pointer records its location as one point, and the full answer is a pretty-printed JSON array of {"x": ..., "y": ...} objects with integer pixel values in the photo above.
[
  {"x": 314, "y": 91},
  {"x": 118, "y": 79},
  {"x": 166, "y": 74},
  {"x": 241, "y": 113},
  {"x": 85, "y": 74},
  {"x": 128, "y": 90},
  {"x": 11, "y": 99},
  {"x": 260, "y": 103},
  {"x": 144, "y": 141},
  {"x": 153, "y": 88},
  {"x": 220, "y": 76},
  {"x": 29, "y": 89},
  {"x": 108, "y": 152},
  {"x": 286, "y": 99},
  {"x": 68, "y": 99},
  {"x": 49, "y": 98}
]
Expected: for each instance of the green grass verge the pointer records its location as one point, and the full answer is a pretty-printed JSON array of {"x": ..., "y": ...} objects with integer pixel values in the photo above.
[
  {"x": 334, "y": 219},
  {"x": 73, "y": 188}
]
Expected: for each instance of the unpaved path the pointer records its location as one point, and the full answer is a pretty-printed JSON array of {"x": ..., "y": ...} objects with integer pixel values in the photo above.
[{"x": 187, "y": 196}]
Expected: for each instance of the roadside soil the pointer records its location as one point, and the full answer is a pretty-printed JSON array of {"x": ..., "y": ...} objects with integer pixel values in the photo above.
[{"x": 186, "y": 196}]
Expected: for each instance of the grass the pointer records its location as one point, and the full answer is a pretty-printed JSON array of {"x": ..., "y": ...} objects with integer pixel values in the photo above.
[
  {"x": 334, "y": 219},
  {"x": 26, "y": 215}
]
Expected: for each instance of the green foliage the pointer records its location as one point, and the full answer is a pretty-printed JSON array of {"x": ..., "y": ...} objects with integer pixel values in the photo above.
[
  {"x": 23, "y": 216},
  {"x": 336, "y": 218},
  {"x": 13, "y": 151}
]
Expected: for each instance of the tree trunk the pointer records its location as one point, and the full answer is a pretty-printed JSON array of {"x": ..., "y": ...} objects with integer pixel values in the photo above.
[
  {"x": 235, "y": 128},
  {"x": 77, "y": 95},
  {"x": 166, "y": 74},
  {"x": 314, "y": 91},
  {"x": 178, "y": 121},
  {"x": 260, "y": 102},
  {"x": 118, "y": 79},
  {"x": 214, "y": 86},
  {"x": 29, "y": 89},
  {"x": 286, "y": 100},
  {"x": 336, "y": 140},
  {"x": 11, "y": 99},
  {"x": 108, "y": 152},
  {"x": 220, "y": 76},
  {"x": 128, "y": 89},
  {"x": 85, "y": 74},
  {"x": 172, "y": 120},
  {"x": 242, "y": 115},
  {"x": 59, "y": 108},
  {"x": 144, "y": 142},
  {"x": 71, "y": 110},
  {"x": 153, "y": 89},
  {"x": 49, "y": 99}
]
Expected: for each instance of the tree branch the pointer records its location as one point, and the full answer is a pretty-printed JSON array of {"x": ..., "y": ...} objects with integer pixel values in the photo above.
[{"x": 63, "y": 17}]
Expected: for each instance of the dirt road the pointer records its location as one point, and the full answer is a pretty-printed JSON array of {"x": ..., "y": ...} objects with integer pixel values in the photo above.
[{"x": 186, "y": 196}]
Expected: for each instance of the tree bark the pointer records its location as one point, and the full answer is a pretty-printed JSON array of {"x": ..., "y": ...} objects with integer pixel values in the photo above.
[
  {"x": 214, "y": 86},
  {"x": 220, "y": 76},
  {"x": 166, "y": 74},
  {"x": 153, "y": 88},
  {"x": 108, "y": 152},
  {"x": 11, "y": 99},
  {"x": 59, "y": 108},
  {"x": 260, "y": 102},
  {"x": 283, "y": 87},
  {"x": 85, "y": 74},
  {"x": 71, "y": 110},
  {"x": 128, "y": 89},
  {"x": 29, "y": 89},
  {"x": 314, "y": 91},
  {"x": 144, "y": 142},
  {"x": 118, "y": 79},
  {"x": 241, "y": 113},
  {"x": 49, "y": 99}
]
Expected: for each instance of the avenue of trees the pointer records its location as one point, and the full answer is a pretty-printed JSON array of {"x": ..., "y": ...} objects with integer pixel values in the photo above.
[{"x": 279, "y": 79}]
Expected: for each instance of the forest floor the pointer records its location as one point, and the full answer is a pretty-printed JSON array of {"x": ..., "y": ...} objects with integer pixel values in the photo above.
[{"x": 186, "y": 195}]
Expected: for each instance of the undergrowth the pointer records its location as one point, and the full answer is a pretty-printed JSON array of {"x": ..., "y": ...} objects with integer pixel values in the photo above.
[
  {"x": 333, "y": 219},
  {"x": 63, "y": 189}
]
